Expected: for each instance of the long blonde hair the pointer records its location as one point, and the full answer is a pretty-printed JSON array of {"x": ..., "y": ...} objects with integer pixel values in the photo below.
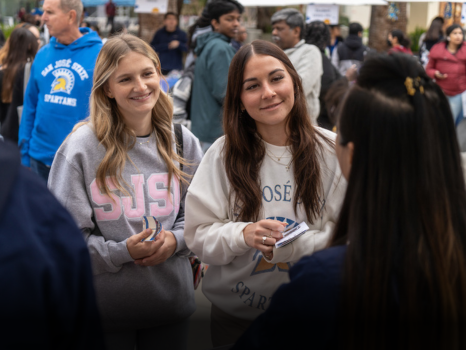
[{"x": 108, "y": 122}]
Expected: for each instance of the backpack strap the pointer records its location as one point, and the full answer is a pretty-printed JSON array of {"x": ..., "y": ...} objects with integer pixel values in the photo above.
[{"x": 179, "y": 141}]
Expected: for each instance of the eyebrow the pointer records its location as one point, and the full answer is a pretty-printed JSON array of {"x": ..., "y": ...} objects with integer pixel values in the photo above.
[
  {"x": 271, "y": 73},
  {"x": 128, "y": 74}
]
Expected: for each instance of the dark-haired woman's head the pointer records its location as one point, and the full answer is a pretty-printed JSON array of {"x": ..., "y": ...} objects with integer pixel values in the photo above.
[
  {"x": 455, "y": 35},
  {"x": 392, "y": 111},
  {"x": 243, "y": 81},
  {"x": 318, "y": 33},
  {"x": 22, "y": 47},
  {"x": 435, "y": 31},
  {"x": 264, "y": 96},
  {"x": 404, "y": 214},
  {"x": 397, "y": 37},
  {"x": 225, "y": 16}
]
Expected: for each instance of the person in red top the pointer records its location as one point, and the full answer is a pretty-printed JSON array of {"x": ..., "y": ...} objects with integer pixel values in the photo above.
[
  {"x": 447, "y": 65},
  {"x": 110, "y": 10},
  {"x": 398, "y": 42}
]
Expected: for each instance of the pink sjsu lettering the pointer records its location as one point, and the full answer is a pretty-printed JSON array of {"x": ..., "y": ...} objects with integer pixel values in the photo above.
[
  {"x": 102, "y": 199},
  {"x": 157, "y": 186}
]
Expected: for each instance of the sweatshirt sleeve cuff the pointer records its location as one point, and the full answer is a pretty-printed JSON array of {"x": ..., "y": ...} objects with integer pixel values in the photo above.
[
  {"x": 119, "y": 253},
  {"x": 180, "y": 242},
  {"x": 238, "y": 244}
]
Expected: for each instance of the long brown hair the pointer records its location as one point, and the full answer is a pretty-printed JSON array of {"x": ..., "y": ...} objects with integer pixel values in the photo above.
[
  {"x": 404, "y": 214},
  {"x": 22, "y": 47},
  {"x": 108, "y": 123},
  {"x": 244, "y": 149}
]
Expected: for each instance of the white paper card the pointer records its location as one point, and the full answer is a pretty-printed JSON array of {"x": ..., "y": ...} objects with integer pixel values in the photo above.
[{"x": 291, "y": 234}]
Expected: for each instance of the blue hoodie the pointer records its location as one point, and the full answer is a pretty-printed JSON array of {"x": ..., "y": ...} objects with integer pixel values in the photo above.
[{"x": 57, "y": 95}]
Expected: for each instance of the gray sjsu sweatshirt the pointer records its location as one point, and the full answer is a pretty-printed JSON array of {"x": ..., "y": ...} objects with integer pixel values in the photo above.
[{"x": 129, "y": 296}]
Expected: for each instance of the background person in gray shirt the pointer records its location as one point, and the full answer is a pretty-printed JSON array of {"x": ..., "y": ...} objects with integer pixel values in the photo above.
[{"x": 114, "y": 169}]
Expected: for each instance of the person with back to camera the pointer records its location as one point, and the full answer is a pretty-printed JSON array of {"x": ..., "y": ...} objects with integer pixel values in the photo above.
[
  {"x": 318, "y": 34},
  {"x": 394, "y": 275},
  {"x": 350, "y": 53},
  {"x": 447, "y": 65},
  {"x": 272, "y": 170},
  {"x": 123, "y": 165},
  {"x": 433, "y": 35},
  {"x": 23, "y": 47}
]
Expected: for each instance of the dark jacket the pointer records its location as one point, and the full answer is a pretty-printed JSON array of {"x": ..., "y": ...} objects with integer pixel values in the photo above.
[
  {"x": 3, "y": 106},
  {"x": 303, "y": 311},
  {"x": 9, "y": 127},
  {"x": 214, "y": 54},
  {"x": 45, "y": 269},
  {"x": 170, "y": 59},
  {"x": 331, "y": 74},
  {"x": 349, "y": 52}
]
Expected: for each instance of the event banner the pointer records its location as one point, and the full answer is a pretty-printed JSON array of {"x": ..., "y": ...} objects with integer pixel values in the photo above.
[
  {"x": 322, "y": 12},
  {"x": 151, "y": 6}
]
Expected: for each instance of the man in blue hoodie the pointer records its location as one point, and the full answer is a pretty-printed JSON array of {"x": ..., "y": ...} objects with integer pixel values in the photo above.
[
  {"x": 214, "y": 54},
  {"x": 57, "y": 95}
]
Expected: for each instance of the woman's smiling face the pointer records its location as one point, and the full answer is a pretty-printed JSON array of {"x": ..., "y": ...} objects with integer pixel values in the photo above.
[
  {"x": 135, "y": 86},
  {"x": 267, "y": 93}
]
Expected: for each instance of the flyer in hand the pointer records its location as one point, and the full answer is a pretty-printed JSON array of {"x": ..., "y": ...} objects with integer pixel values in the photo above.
[{"x": 289, "y": 235}]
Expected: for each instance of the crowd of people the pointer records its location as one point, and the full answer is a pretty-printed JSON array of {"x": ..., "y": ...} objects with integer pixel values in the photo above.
[{"x": 320, "y": 182}]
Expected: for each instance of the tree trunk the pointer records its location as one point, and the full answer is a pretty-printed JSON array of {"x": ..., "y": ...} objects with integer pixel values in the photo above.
[
  {"x": 381, "y": 25},
  {"x": 263, "y": 18}
]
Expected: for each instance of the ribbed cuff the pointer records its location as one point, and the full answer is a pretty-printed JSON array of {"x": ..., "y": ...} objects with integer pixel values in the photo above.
[{"x": 119, "y": 253}]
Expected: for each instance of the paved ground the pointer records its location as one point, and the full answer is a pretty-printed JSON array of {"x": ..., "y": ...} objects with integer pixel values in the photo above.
[{"x": 199, "y": 333}]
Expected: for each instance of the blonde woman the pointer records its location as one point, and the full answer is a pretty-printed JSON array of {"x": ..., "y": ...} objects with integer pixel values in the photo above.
[{"x": 115, "y": 168}]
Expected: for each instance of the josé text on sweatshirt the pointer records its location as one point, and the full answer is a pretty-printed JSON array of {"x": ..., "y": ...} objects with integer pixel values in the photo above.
[
  {"x": 57, "y": 95},
  {"x": 129, "y": 296},
  {"x": 240, "y": 280}
]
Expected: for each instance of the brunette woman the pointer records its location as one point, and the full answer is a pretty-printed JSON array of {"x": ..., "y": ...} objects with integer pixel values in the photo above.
[
  {"x": 22, "y": 48},
  {"x": 395, "y": 275},
  {"x": 447, "y": 65},
  {"x": 116, "y": 168},
  {"x": 398, "y": 42},
  {"x": 272, "y": 170}
]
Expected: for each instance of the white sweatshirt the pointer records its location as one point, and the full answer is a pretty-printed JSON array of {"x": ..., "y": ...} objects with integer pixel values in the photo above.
[{"x": 239, "y": 280}]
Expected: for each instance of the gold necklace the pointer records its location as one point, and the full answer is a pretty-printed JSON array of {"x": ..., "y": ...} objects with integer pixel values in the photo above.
[
  {"x": 274, "y": 156},
  {"x": 145, "y": 142},
  {"x": 287, "y": 166}
]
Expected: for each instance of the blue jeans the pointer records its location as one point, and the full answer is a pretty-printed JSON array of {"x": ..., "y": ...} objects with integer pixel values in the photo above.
[
  {"x": 40, "y": 169},
  {"x": 456, "y": 105}
]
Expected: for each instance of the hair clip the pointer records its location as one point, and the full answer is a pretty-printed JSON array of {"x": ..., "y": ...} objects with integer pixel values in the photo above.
[{"x": 411, "y": 85}]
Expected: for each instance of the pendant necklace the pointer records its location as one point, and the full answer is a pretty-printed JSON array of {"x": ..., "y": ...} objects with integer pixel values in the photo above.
[
  {"x": 277, "y": 159},
  {"x": 145, "y": 142}
]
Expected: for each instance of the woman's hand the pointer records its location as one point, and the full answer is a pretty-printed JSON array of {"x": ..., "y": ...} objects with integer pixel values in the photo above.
[
  {"x": 138, "y": 249},
  {"x": 263, "y": 235},
  {"x": 439, "y": 75},
  {"x": 166, "y": 250}
]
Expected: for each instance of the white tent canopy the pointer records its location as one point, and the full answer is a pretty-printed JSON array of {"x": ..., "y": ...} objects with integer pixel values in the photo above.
[
  {"x": 306, "y": 2},
  {"x": 425, "y": 1}
]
